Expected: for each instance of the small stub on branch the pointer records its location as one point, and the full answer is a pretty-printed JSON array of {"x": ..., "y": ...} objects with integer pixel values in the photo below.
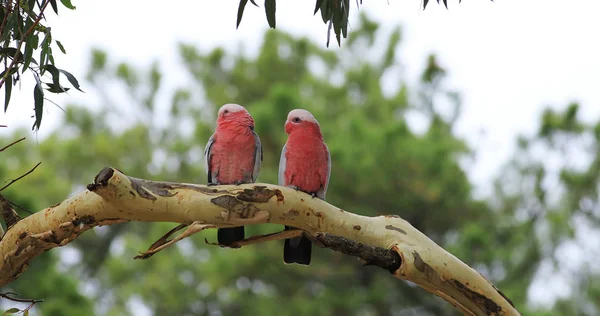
[
  {"x": 370, "y": 255},
  {"x": 8, "y": 213}
]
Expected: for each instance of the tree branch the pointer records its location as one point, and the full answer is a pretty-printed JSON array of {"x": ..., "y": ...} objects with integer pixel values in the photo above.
[
  {"x": 11, "y": 144},
  {"x": 387, "y": 241},
  {"x": 11, "y": 296},
  {"x": 21, "y": 177}
]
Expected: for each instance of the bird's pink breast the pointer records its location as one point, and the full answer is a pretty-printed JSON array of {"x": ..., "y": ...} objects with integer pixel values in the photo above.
[
  {"x": 306, "y": 163},
  {"x": 233, "y": 155}
]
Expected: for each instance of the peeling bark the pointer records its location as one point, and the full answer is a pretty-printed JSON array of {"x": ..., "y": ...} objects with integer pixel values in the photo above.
[
  {"x": 8, "y": 214},
  {"x": 385, "y": 241}
]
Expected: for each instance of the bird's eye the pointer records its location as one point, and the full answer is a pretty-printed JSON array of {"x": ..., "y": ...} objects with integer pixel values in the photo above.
[
  {"x": 225, "y": 111},
  {"x": 296, "y": 120}
]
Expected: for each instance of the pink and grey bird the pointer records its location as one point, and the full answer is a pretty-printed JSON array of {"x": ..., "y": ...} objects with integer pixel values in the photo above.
[
  {"x": 305, "y": 165},
  {"x": 233, "y": 156}
]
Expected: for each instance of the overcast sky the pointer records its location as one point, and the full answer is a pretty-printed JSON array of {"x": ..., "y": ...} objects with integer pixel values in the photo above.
[{"x": 508, "y": 58}]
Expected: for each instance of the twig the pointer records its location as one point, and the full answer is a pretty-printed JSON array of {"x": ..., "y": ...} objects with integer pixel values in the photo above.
[
  {"x": 16, "y": 141},
  {"x": 18, "y": 206},
  {"x": 262, "y": 238},
  {"x": 14, "y": 60},
  {"x": 163, "y": 242},
  {"x": 21, "y": 177},
  {"x": 58, "y": 106},
  {"x": 6, "y": 15},
  {"x": 31, "y": 302}
]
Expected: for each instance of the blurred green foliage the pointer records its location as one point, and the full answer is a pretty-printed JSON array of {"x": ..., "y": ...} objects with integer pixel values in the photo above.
[{"x": 381, "y": 165}]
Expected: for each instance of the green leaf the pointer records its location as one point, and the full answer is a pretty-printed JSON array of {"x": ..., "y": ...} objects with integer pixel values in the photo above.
[
  {"x": 241, "y": 12},
  {"x": 61, "y": 47},
  {"x": 18, "y": 30},
  {"x": 337, "y": 27},
  {"x": 327, "y": 10},
  {"x": 54, "y": 72},
  {"x": 11, "y": 72},
  {"x": 38, "y": 98},
  {"x": 12, "y": 52},
  {"x": 270, "y": 11},
  {"x": 13, "y": 310},
  {"x": 318, "y": 6},
  {"x": 7, "y": 90},
  {"x": 44, "y": 51},
  {"x": 71, "y": 79},
  {"x": 345, "y": 18},
  {"x": 26, "y": 312},
  {"x": 28, "y": 53},
  {"x": 50, "y": 56},
  {"x": 30, "y": 6},
  {"x": 67, "y": 3},
  {"x": 54, "y": 6},
  {"x": 35, "y": 40},
  {"x": 28, "y": 24},
  {"x": 56, "y": 89},
  {"x": 9, "y": 26}
]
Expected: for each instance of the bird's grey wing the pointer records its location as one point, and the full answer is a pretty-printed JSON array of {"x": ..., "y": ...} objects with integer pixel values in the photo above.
[
  {"x": 323, "y": 190},
  {"x": 258, "y": 156},
  {"x": 207, "y": 157},
  {"x": 282, "y": 165}
]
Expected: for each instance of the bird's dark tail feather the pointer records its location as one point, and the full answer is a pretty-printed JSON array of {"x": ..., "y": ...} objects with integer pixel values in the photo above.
[
  {"x": 227, "y": 236},
  {"x": 297, "y": 250}
]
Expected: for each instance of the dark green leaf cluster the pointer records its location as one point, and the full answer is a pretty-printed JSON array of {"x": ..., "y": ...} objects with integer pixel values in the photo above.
[
  {"x": 21, "y": 29},
  {"x": 425, "y": 2},
  {"x": 335, "y": 13}
]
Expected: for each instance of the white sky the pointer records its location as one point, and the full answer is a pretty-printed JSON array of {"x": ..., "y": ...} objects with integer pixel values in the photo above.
[{"x": 509, "y": 59}]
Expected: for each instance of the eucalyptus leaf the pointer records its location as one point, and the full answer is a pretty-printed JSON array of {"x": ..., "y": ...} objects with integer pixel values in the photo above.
[
  {"x": 38, "y": 98},
  {"x": 7, "y": 91},
  {"x": 270, "y": 11},
  {"x": 12, "y": 53},
  {"x": 54, "y": 6},
  {"x": 11, "y": 311},
  {"x": 71, "y": 79},
  {"x": 61, "y": 47},
  {"x": 28, "y": 53},
  {"x": 68, "y": 4},
  {"x": 56, "y": 89},
  {"x": 54, "y": 72},
  {"x": 30, "y": 6},
  {"x": 35, "y": 40},
  {"x": 241, "y": 8},
  {"x": 318, "y": 6}
]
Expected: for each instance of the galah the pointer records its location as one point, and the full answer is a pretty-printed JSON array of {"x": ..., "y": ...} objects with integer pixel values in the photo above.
[
  {"x": 232, "y": 156},
  {"x": 305, "y": 165}
]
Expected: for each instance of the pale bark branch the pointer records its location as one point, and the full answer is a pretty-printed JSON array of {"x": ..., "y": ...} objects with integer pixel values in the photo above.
[{"x": 386, "y": 241}]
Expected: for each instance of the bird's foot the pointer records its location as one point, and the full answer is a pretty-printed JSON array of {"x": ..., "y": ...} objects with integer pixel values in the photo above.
[
  {"x": 210, "y": 184},
  {"x": 313, "y": 195},
  {"x": 237, "y": 182}
]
